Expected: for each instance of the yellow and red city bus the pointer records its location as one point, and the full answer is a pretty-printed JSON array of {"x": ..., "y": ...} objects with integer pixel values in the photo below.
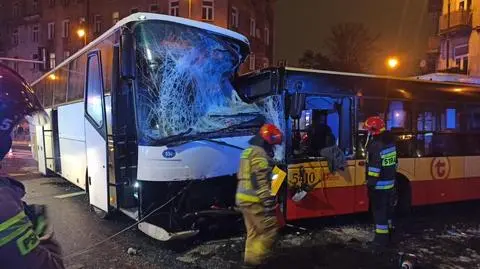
[{"x": 437, "y": 126}]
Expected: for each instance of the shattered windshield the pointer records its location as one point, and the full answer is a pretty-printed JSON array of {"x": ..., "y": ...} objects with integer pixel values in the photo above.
[{"x": 185, "y": 82}]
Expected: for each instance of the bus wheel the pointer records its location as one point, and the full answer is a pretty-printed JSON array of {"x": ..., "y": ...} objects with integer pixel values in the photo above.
[{"x": 403, "y": 196}]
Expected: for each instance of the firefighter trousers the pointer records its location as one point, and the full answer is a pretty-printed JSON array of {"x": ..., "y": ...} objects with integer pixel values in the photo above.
[
  {"x": 383, "y": 209},
  {"x": 262, "y": 233}
]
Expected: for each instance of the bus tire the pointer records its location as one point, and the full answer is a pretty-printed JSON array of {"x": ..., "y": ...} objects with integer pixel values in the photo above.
[{"x": 403, "y": 196}]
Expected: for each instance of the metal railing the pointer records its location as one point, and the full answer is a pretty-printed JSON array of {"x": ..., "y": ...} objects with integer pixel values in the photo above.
[{"x": 456, "y": 19}]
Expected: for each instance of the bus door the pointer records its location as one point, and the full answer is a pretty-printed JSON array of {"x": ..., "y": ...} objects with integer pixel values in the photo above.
[
  {"x": 361, "y": 193},
  {"x": 326, "y": 192},
  {"x": 96, "y": 135},
  {"x": 41, "y": 158}
]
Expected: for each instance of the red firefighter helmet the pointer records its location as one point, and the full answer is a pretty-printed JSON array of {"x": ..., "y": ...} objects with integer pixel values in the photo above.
[
  {"x": 375, "y": 125},
  {"x": 271, "y": 134}
]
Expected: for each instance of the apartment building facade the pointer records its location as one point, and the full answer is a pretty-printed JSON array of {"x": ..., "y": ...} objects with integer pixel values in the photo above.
[
  {"x": 456, "y": 42},
  {"x": 28, "y": 25}
]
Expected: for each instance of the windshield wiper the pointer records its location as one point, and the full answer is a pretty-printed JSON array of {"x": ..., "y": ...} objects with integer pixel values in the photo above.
[
  {"x": 175, "y": 137},
  {"x": 235, "y": 115},
  {"x": 223, "y": 143},
  {"x": 183, "y": 138}
]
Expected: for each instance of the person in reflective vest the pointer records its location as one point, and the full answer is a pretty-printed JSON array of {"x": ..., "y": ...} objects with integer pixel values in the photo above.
[
  {"x": 381, "y": 173},
  {"x": 23, "y": 242},
  {"x": 254, "y": 197}
]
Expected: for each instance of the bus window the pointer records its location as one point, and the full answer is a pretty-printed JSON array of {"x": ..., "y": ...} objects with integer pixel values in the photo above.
[
  {"x": 450, "y": 118},
  {"x": 39, "y": 91},
  {"x": 470, "y": 145},
  {"x": 60, "y": 91},
  {"x": 426, "y": 118},
  {"x": 369, "y": 108},
  {"x": 445, "y": 145},
  {"x": 406, "y": 146},
  {"x": 94, "y": 90},
  {"x": 424, "y": 145},
  {"x": 106, "y": 48},
  {"x": 360, "y": 151},
  {"x": 472, "y": 118},
  {"x": 76, "y": 79},
  {"x": 398, "y": 116},
  {"x": 49, "y": 88}
]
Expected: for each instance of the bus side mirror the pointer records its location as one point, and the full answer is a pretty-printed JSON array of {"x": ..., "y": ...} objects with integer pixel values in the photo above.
[
  {"x": 297, "y": 104},
  {"x": 127, "y": 56}
]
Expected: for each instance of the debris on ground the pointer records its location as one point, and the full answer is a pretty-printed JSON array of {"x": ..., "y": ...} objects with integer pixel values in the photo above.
[{"x": 132, "y": 251}]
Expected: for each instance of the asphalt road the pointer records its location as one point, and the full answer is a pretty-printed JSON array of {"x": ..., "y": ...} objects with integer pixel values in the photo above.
[{"x": 445, "y": 236}]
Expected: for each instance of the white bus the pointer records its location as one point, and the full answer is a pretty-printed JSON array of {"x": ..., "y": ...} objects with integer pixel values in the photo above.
[{"x": 145, "y": 110}]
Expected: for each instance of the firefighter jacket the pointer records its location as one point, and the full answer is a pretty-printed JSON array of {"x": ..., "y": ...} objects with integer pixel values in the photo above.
[
  {"x": 254, "y": 177},
  {"x": 20, "y": 247},
  {"x": 381, "y": 164}
]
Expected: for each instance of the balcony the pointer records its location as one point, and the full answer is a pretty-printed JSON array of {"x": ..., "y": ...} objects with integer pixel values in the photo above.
[
  {"x": 433, "y": 44},
  {"x": 458, "y": 21}
]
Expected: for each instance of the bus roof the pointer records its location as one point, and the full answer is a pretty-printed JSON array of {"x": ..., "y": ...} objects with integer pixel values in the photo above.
[
  {"x": 446, "y": 77},
  {"x": 376, "y": 86},
  {"x": 142, "y": 16}
]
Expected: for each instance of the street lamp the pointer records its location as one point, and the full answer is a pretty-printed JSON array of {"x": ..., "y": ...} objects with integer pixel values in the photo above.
[
  {"x": 82, "y": 34},
  {"x": 392, "y": 63}
]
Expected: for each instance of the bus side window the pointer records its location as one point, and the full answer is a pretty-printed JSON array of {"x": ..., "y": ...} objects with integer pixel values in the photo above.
[
  {"x": 446, "y": 145},
  {"x": 94, "y": 90}
]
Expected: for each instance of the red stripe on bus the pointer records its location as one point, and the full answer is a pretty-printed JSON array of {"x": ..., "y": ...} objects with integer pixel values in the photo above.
[{"x": 348, "y": 200}]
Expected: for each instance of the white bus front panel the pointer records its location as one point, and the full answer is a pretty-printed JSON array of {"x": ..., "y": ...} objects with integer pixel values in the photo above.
[{"x": 191, "y": 161}]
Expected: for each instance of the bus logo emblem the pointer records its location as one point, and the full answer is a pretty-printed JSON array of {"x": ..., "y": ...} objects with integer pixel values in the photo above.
[
  {"x": 169, "y": 153},
  {"x": 440, "y": 168}
]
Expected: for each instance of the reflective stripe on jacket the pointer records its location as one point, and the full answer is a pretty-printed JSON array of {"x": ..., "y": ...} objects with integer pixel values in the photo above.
[
  {"x": 382, "y": 165},
  {"x": 253, "y": 176}
]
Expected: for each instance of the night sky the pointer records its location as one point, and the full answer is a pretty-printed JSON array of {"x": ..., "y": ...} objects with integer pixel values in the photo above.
[{"x": 404, "y": 26}]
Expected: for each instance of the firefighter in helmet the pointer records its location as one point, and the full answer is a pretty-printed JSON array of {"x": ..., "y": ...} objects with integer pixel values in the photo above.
[
  {"x": 381, "y": 172},
  {"x": 254, "y": 197},
  {"x": 23, "y": 239}
]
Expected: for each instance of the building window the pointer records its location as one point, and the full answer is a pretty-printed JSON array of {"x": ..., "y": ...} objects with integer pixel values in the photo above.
[
  {"x": 115, "y": 17},
  {"x": 35, "y": 31},
  {"x": 207, "y": 10},
  {"x": 133, "y": 10},
  {"x": 66, "y": 54},
  {"x": 154, "y": 8},
  {"x": 51, "y": 60},
  {"x": 16, "y": 10},
  {"x": 35, "y": 65},
  {"x": 253, "y": 26},
  {"x": 174, "y": 8},
  {"x": 51, "y": 30},
  {"x": 460, "y": 53},
  {"x": 97, "y": 23},
  {"x": 267, "y": 36},
  {"x": 35, "y": 5},
  {"x": 51, "y": 3},
  {"x": 234, "y": 17},
  {"x": 252, "y": 62},
  {"x": 15, "y": 37},
  {"x": 65, "y": 28}
]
